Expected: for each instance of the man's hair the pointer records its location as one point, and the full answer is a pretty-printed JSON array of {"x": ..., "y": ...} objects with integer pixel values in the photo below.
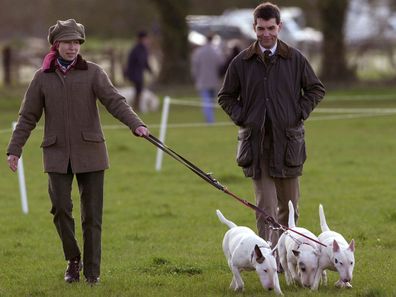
[
  {"x": 141, "y": 34},
  {"x": 267, "y": 11}
]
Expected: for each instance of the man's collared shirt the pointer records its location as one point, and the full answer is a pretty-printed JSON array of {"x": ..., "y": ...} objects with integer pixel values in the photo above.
[{"x": 273, "y": 49}]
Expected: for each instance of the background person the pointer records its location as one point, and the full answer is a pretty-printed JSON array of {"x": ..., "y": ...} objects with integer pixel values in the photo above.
[
  {"x": 66, "y": 89},
  {"x": 136, "y": 65},
  {"x": 235, "y": 50},
  {"x": 205, "y": 67},
  {"x": 269, "y": 91}
]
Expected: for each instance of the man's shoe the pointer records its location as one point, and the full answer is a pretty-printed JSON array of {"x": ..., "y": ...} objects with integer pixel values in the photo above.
[
  {"x": 92, "y": 280},
  {"x": 72, "y": 273}
]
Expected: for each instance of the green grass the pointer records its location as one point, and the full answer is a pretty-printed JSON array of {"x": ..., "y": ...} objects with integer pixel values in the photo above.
[{"x": 161, "y": 236}]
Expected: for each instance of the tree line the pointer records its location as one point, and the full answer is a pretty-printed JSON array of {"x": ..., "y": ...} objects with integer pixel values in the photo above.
[{"x": 122, "y": 18}]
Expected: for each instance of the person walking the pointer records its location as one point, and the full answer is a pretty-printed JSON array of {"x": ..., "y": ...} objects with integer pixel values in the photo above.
[
  {"x": 269, "y": 90},
  {"x": 66, "y": 89},
  {"x": 205, "y": 69},
  {"x": 136, "y": 65}
]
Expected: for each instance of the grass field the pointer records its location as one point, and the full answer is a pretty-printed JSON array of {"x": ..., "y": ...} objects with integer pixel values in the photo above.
[{"x": 161, "y": 236}]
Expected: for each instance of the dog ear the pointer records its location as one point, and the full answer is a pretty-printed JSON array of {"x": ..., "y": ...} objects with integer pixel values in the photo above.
[
  {"x": 259, "y": 255},
  {"x": 274, "y": 252},
  {"x": 296, "y": 253},
  {"x": 336, "y": 247},
  {"x": 352, "y": 246}
]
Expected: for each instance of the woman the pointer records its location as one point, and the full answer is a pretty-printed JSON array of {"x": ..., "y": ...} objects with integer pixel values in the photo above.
[{"x": 66, "y": 89}]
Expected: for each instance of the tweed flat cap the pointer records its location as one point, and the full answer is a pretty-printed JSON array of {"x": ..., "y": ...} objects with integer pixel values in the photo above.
[{"x": 66, "y": 30}]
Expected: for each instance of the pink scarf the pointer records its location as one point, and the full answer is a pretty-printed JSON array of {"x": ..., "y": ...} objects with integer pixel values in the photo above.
[{"x": 50, "y": 56}]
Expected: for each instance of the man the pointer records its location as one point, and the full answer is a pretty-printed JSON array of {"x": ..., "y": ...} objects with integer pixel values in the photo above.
[
  {"x": 206, "y": 64},
  {"x": 268, "y": 91},
  {"x": 66, "y": 89},
  {"x": 136, "y": 65}
]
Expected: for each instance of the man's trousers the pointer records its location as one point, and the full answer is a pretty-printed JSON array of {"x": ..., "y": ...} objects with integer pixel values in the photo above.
[{"x": 272, "y": 195}]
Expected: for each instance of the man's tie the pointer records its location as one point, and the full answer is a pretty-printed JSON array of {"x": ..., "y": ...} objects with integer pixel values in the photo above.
[{"x": 267, "y": 56}]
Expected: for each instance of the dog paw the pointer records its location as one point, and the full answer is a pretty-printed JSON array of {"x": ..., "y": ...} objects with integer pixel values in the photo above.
[
  {"x": 314, "y": 287},
  {"x": 239, "y": 289},
  {"x": 279, "y": 292},
  {"x": 341, "y": 284},
  {"x": 348, "y": 285},
  {"x": 289, "y": 281}
]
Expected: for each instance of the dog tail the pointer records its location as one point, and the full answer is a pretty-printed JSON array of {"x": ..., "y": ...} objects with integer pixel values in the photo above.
[
  {"x": 323, "y": 224},
  {"x": 291, "y": 222},
  {"x": 224, "y": 220}
]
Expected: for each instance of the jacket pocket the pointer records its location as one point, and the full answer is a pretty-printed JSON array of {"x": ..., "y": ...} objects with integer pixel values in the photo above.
[
  {"x": 244, "y": 156},
  {"x": 295, "y": 149},
  {"x": 92, "y": 137},
  {"x": 48, "y": 141}
]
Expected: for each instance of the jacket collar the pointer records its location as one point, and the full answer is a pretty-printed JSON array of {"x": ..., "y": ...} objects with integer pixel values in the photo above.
[
  {"x": 283, "y": 50},
  {"x": 81, "y": 64}
]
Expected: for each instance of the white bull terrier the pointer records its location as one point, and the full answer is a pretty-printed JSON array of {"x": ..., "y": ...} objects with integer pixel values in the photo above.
[
  {"x": 245, "y": 250},
  {"x": 298, "y": 255},
  {"x": 337, "y": 256}
]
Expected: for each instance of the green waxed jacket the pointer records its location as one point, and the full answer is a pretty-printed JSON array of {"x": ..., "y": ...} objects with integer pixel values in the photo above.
[{"x": 283, "y": 93}]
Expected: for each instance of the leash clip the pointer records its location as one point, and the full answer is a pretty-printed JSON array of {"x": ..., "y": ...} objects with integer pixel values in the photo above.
[
  {"x": 215, "y": 182},
  {"x": 275, "y": 228}
]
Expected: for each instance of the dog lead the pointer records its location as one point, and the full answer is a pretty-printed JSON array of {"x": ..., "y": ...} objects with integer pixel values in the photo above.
[{"x": 208, "y": 178}]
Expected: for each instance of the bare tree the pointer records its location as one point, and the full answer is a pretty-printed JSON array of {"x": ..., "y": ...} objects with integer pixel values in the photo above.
[
  {"x": 174, "y": 40},
  {"x": 334, "y": 62}
]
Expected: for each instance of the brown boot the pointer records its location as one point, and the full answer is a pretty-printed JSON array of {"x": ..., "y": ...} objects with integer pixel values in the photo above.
[{"x": 72, "y": 273}]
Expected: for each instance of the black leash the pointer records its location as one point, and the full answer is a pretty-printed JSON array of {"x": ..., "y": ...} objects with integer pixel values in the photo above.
[{"x": 208, "y": 178}]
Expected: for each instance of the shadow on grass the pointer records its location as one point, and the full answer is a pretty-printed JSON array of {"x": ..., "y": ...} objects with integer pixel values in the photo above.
[
  {"x": 373, "y": 292},
  {"x": 164, "y": 266}
]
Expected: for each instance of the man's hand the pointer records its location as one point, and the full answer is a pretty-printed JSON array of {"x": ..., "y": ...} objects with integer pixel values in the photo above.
[
  {"x": 142, "y": 131},
  {"x": 13, "y": 162}
]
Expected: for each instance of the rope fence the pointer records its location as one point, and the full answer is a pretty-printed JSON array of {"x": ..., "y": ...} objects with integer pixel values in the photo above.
[
  {"x": 318, "y": 115},
  {"x": 341, "y": 114}
]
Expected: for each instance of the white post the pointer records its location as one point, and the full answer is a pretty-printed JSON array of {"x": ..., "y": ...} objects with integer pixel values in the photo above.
[
  {"x": 164, "y": 123},
  {"x": 22, "y": 184}
]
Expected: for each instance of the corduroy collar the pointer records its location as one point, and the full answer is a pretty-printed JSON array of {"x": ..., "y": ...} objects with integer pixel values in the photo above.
[
  {"x": 282, "y": 50},
  {"x": 81, "y": 64}
]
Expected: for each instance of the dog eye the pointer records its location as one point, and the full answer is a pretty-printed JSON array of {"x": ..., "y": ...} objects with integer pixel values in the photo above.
[
  {"x": 265, "y": 270},
  {"x": 351, "y": 263},
  {"x": 336, "y": 261}
]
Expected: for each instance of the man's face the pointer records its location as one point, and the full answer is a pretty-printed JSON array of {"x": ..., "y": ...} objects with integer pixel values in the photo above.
[
  {"x": 267, "y": 32},
  {"x": 146, "y": 41},
  {"x": 69, "y": 49}
]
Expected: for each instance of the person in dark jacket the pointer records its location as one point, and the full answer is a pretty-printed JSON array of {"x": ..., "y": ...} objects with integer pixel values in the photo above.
[
  {"x": 235, "y": 50},
  {"x": 136, "y": 65},
  {"x": 66, "y": 89},
  {"x": 269, "y": 90}
]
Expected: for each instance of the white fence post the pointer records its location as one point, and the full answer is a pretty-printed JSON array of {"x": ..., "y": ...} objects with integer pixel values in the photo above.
[
  {"x": 22, "y": 183},
  {"x": 164, "y": 123}
]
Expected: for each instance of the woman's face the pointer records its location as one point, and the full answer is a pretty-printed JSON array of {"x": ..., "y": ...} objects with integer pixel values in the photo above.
[{"x": 69, "y": 49}]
